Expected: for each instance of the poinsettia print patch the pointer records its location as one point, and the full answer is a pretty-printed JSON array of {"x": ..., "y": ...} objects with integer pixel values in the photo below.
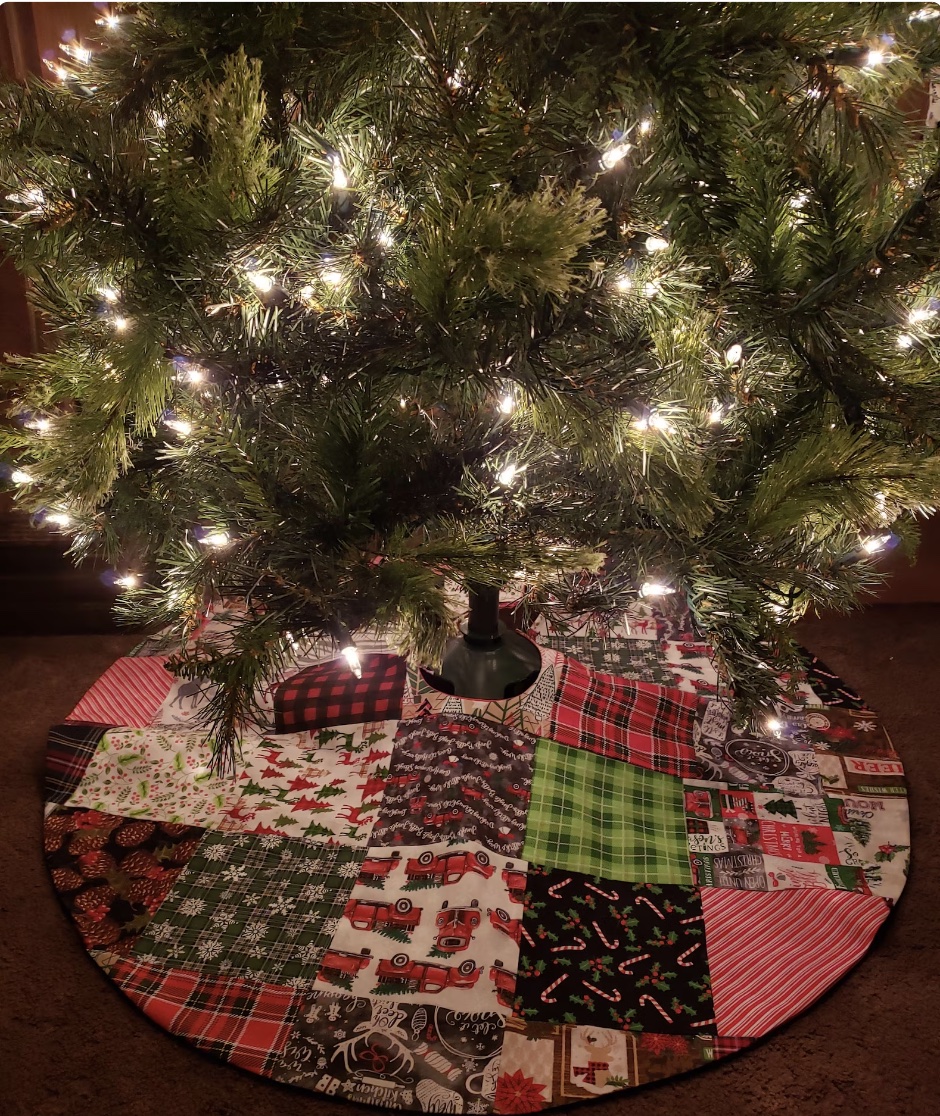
[
  {"x": 459, "y": 778},
  {"x": 630, "y": 956},
  {"x": 113, "y": 873},
  {"x": 320, "y": 785},
  {"x": 435, "y": 923}
]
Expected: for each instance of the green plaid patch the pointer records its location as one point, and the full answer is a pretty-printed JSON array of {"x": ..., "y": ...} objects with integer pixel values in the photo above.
[
  {"x": 638, "y": 660},
  {"x": 254, "y": 906},
  {"x": 605, "y": 817}
]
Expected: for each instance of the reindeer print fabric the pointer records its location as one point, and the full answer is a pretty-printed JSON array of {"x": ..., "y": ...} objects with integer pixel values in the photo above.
[{"x": 435, "y": 903}]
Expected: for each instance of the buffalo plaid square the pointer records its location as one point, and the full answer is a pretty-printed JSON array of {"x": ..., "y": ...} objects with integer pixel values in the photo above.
[
  {"x": 639, "y": 722},
  {"x": 243, "y": 1022},
  {"x": 68, "y": 753},
  {"x": 606, "y": 818},
  {"x": 330, "y": 694}
]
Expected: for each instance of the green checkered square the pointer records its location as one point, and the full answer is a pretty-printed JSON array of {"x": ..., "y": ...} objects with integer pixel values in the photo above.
[
  {"x": 605, "y": 817},
  {"x": 247, "y": 905}
]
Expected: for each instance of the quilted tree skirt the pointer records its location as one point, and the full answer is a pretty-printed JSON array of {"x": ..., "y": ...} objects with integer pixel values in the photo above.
[{"x": 448, "y": 905}]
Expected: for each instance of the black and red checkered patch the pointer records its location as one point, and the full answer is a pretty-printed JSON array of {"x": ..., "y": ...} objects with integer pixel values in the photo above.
[
  {"x": 330, "y": 694},
  {"x": 68, "y": 753}
]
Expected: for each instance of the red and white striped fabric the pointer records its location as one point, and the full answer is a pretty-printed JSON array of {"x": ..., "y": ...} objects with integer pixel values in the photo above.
[
  {"x": 129, "y": 693},
  {"x": 771, "y": 954}
]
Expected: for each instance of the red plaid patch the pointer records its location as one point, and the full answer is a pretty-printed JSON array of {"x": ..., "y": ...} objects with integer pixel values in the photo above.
[
  {"x": 644, "y": 724},
  {"x": 330, "y": 694},
  {"x": 244, "y": 1022},
  {"x": 68, "y": 753}
]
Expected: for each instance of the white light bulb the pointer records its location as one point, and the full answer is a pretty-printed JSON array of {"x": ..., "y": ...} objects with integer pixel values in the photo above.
[
  {"x": 875, "y": 58},
  {"x": 58, "y": 519},
  {"x": 385, "y": 238},
  {"x": 260, "y": 281},
  {"x": 656, "y": 244},
  {"x": 179, "y": 426},
  {"x": 734, "y": 353},
  {"x": 773, "y": 725},
  {"x": 920, "y": 314},
  {"x": 218, "y": 540},
  {"x": 659, "y": 422},
  {"x": 508, "y": 475},
  {"x": 876, "y": 543},
  {"x": 127, "y": 581},
  {"x": 306, "y": 292},
  {"x": 120, "y": 324},
  {"x": 623, "y": 283},
  {"x": 655, "y": 589},
  {"x": 340, "y": 178},
  {"x": 716, "y": 414},
  {"x": 109, "y": 294},
  {"x": 905, "y": 341},
  {"x": 652, "y": 288},
  {"x": 645, "y": 127},
  {"x": 351, "y": 655},
  {"x": 40, "y": 425},
  {"x": 110, "y": 21},
  {"x": 641, "y": 423},
  {"x": 159, "y": 120},
  {"x": 798, "y": 200},
  {"x": 20, "y": 476},
  {"x": 193, "y": 374},
  {"x": 614, "y": 155},
  {"x": 403, "y": 402},
  {"x": 77, "y": 51},
  {"x": 507, "y": 404}
]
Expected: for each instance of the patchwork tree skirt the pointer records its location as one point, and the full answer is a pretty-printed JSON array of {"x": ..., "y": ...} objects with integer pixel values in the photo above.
[{"x": 449, "y": 905}]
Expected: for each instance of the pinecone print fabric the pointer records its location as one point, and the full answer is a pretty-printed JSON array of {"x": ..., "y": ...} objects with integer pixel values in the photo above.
[{"x": 613, "y": 954}]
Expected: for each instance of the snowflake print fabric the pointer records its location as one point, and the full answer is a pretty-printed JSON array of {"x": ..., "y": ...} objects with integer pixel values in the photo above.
[{"x": 629, "y": 956}]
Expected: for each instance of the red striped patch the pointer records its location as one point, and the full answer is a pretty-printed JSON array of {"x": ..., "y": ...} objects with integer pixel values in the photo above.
[
  {"x": 772, "y": 954},
  {"x": 129, "y": 693}
]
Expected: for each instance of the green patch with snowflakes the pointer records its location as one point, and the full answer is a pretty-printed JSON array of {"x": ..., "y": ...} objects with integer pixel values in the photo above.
[{"x": 248, "y": 905}]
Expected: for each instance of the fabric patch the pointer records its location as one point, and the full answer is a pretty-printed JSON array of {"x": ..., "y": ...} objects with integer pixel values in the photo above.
[
  {"x": 636, "y": 622},
  {"x": 330, "y": 694},
  {"x": 253, "y": 906},
  {"x": 785, "y": 762},
  {"x": 643, "y": 724},
  {"x": 460, "y": 778},
  {"x": 604, "y": 953},
  {"x": 603, "y": 817},
  {"x": 762, "y": 841},
  {"x": 244, "y": 1022},
  {"x": 862, "y": 776},
  {"x": 128, "y": 693},
  {"x": 874, "y": 835},
  {"x": 155, "y": 773},
  {"x": 112, "y": 873},
  {"x": 324, "y": 785},
  {"x": 772, "y": 955},
  {"x": 68, "y": 752},
  {"x": 690, "y": 666},
  {"x": 529, "y": 711},
  {"x": 546, "y": 1064},
  {"x": 436, "y": 924},
  {"x": 828, "y": 687},
  {"x": 395, "y": 1055},
  {"x": 843, "y": 732}
]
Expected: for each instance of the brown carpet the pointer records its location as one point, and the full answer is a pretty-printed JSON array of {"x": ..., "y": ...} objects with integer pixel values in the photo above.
[{"x": 71, "y": 1044}]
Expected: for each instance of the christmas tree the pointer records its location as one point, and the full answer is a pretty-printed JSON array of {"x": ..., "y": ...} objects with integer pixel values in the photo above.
[{"x": 354, "y": 306}]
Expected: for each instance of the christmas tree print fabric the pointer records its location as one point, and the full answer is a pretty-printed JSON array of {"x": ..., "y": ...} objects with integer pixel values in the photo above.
[{"x": 421, "y": 901}]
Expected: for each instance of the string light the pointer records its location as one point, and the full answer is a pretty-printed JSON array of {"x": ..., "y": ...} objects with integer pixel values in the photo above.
[
  {"x": 385, "y": 238},
  {"x": 924, "y": 15},
  {"x": 623, "y": 283},
  {"x": 655, "y": 589},
  {"x": 111, "y": 21},
  {"x": 875, "y": 543},
  {"x": 644, "y": 127},
  {"x": 799, "y": 200},
  {"x": 120, "y": 323},
  {"x": 20, "y": 476},
  {"x": 218, "y": 540},
  {"x": 652, "y": 288},
  {"x": 58, "y": 518},
  {"x": 179, "y": 426},
  {"x": 507, "y": 475},
  {"x": 109, "y": 294},
  {"x": 716, "y": 414},
  {"x": 191, "y": 374},
  {"x": 656, "y": 244},
  {"x": 40, "y": 425},
  {"x": 159, "y": 120},
  {"x": 773, "y": 725},
  {"x": 77, "y": 51},
  {"x": 920, "y": 314},
  {"x": 351, "y": 654},
  {"x": 905, "y": 341},
  {"x": 128, "y": 581},
  {"x": 734, "y": 353},
  {"x": 260, "y": 281},
  {"x": 507, "y": 404},
  {"x": 333, "y": 276},
  {"x": 875, "y": 58},
  {"x": 307, "y": 292},
  {"x": 403, "y": 402},
  {"x": 614, "y": 155},
  {"x": 340, "y": 178}
]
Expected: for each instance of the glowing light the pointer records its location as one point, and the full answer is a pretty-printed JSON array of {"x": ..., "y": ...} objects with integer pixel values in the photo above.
[
  {"x": 716, "y": 414},
  {"x": 623, "y": 283},
  {"x": 507, "y": 404},
  {"x": 159, "y": 120},
  {"x": 218, "y": 540},
  {"x": 109, "y": 21},
  {"x": 385, "y": 238},
  {"x": 905, "y": 341},
  {"x": 875, "y": 543},
  {"x": 875, "y": 58},
  {"x": 508, "y": 475},
  {"x": 734, "y": 353},
  {"x": 614, "y": 155},
  {"x": 58, "y": 519},
  {"x": 109, "y": 294},
  {"x": 351, "y": 655},
  {"x": 920, "y": 314},
  {"x": 77, "y": 51},
  {"x": 307, "y": 292},
  {"x": 260, "y": 281},
  {"x": 924, "y": 15},
  {"x": 644, "y": 127},
  {"x": 799, "y": 200},
  {"x": 403, "y": 402},
  {"x": 652, "y": 288},
  {"x": 659, "y": 422},
  {"x": 655, "y": 589},
  {"x": 773, "y": 725},
  {"x": 120, "y": 324},
  {"x": 40, "y": 425},
  {"x": 340, "y": 178},
  {"x": 333, "y": 276},
  {"x": 656, "y": 243},
  {"x": 20, "y": 476},
  {"x": 179, "y": 426},
  {"x": 192, "y": 374},
  {"x": 128, "y": 581}
]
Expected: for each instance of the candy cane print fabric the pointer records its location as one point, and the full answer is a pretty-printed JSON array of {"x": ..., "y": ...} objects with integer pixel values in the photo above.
[{"x": 130, "y": 692}]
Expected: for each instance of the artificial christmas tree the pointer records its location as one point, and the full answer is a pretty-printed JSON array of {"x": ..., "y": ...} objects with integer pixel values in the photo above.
[{"x": 355, "y": 306}]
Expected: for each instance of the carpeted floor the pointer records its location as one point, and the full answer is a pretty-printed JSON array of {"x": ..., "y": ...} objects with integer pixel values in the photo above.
[{"x": 70, "y": 1044}]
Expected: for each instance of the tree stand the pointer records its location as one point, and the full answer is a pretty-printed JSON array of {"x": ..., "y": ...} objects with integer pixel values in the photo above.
[{"x": 489, "y": 660}]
